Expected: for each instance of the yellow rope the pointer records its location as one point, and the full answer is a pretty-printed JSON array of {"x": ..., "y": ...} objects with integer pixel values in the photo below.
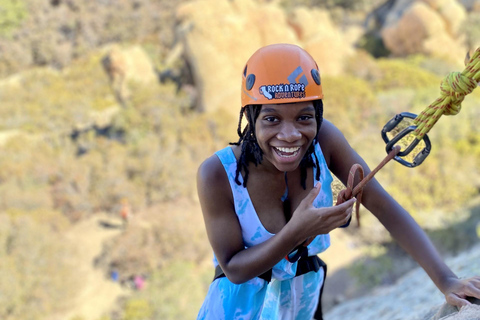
[{"x": 454, "y": 87}]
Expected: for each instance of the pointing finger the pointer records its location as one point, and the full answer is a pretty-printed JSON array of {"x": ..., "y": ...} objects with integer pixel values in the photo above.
[
  {"x": 313, "y": 193},
  {"x": 347, "y": 203}
]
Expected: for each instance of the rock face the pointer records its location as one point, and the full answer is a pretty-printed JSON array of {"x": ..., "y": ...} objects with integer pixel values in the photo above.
[
  {"x": 123, "y": 65},
  {"x": 413, "y": 297},
  {"x": 218, "y": 36},
  {"x": 425, "y": 26},
  {"x": 223, "y": 34}
]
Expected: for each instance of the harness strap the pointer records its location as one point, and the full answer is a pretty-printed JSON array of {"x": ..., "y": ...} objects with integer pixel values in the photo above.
[
  {"x": 318, "y": 312},
  {"x": 267, "y": 276},
  {"x": 304, "y": 265}
]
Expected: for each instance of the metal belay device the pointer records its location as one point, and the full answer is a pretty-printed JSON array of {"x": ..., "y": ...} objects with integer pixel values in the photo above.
[
  {"x": 406, "y": 132},
  {"x": 411, "y": 130}
]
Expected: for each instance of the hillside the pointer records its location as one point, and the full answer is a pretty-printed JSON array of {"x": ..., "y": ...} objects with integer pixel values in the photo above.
[{"x": 114, "y": 103}]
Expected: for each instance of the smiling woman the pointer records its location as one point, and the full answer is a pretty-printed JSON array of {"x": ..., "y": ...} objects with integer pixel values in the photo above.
[
  {"x": 267, "y": 223},
  {"x": 285, "y": 132}
]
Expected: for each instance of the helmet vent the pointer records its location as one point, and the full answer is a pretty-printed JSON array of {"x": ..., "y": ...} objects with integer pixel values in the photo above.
[
  {"x": 250, "y": 81},
  {"x": 316, "y": 76},
  {"x": 245, "y": 71}
]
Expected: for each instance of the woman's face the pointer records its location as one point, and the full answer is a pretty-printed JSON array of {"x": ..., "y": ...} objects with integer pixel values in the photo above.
[{"x": 284, "y": 133}]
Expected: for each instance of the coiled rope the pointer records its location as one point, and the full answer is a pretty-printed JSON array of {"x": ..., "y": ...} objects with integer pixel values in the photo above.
[{"x": 454, "y": 87}]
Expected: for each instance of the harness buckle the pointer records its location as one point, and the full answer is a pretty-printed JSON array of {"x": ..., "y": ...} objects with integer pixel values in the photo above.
[
  {"x": 300, "y": 251},
  {"x": 405, "y": 134}
]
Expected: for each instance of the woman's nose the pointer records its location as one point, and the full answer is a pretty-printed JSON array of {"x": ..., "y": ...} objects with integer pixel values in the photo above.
[{"x": 289, "y": 133}]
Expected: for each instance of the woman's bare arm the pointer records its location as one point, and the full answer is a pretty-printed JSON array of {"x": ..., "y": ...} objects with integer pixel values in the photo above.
[
  {"x": 393, "y": 216},
  {"x": 224, "y": 231}
]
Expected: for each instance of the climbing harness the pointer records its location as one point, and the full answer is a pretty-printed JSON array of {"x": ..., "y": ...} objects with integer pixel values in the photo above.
[
  {"x": 454, "y": 87},
  {"x": 345, "y": 195}
]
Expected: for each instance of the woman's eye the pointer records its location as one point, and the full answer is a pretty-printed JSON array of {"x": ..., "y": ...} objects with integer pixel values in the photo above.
[
  {"x": 305, "y": 118},
  {"x": 270, "y": 119}
]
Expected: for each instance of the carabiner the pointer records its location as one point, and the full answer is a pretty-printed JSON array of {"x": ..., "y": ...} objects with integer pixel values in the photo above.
[{"x": 392, "y": 124}]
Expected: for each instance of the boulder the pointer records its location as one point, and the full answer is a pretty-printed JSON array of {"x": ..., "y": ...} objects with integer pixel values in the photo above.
[
  {"x": 452, "y": 13},
  {"x": 322, "y": 39},
  {"x": 425, "y": 26},
  {"x": 124, "y": 65}
]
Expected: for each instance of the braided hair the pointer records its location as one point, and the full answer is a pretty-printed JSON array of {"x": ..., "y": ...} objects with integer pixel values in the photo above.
[{"x": 251, "y": 151}]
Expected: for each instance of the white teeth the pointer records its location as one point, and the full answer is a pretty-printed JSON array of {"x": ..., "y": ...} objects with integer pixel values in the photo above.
[{"x": 287, "y": 150}]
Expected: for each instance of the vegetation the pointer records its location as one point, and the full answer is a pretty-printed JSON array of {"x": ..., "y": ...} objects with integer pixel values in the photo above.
[
  {"x": 12, "y": 13},
  {"x": 54, "y": 33},
  {"x": 69, "y": 151},
  {"x": 37, "y": 268}
]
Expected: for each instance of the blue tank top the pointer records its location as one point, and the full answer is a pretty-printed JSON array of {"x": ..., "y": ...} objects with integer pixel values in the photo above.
[
  {"x": 253, "y": 231},
  {"x": 286, "y": 296}
]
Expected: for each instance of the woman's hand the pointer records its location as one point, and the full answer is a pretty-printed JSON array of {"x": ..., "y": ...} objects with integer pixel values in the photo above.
[
  {"x": 312, "y": 221},
  {"x": 459, "y": 289}
]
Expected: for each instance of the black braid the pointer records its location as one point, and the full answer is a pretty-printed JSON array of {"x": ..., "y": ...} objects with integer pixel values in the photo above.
[
  {"x": 239, "y": 128},
  {"x": 251, "y": 151}
]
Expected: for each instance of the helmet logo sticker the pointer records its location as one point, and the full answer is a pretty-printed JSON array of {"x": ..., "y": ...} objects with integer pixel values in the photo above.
[
  {"x": 265, "y": 92},
  {"x": 290, "y": 90},
  {"x": 293, "y": 76}
]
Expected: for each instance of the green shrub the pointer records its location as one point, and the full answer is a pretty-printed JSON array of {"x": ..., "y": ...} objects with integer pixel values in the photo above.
[
  {"x": 349, "y": 103},
  {"x": 396, "y": 73},
  {"x": 12, "y": 13}
]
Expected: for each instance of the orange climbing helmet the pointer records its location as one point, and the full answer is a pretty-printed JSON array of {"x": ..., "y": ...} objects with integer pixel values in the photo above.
[{"x": 280, "y": 73}]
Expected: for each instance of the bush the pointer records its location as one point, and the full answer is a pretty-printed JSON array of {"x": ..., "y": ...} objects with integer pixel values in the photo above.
[
  {"x": 396, "y": 73},
  {"x": 349, "y": 103}
]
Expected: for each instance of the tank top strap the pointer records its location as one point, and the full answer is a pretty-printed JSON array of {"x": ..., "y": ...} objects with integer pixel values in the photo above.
[{"x": 253, "y": 231}]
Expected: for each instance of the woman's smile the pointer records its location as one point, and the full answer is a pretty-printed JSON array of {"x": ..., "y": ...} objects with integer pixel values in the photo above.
[{"x": 287, "y": 153}]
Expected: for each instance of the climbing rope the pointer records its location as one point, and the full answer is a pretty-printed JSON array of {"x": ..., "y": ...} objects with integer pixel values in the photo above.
[
  {"x": 345, "y": 195},
  {"x": 454, "y": 87},
  {"x": 357, "y": 190}
]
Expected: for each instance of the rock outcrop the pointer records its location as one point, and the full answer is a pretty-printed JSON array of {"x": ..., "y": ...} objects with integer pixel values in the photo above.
[
  {"x": 224, "y": 34},
  {"x": 124, "y": 65}
]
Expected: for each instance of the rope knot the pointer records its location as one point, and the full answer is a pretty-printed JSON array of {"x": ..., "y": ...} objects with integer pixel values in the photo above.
[{"x": 454, "y": 87}]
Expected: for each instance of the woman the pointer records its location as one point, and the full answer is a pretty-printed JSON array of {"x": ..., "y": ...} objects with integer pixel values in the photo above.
[{"x": 260, "y": 218}]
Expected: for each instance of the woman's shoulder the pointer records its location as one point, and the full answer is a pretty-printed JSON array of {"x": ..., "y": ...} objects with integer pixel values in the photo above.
[
  {"x": 329, "y": 135},
  {"x": 328, "y": 131},
  {"x": 211, "y": 170},
  {"x": 212, "y": 173},
  {"x": 212, "y": 181}
]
